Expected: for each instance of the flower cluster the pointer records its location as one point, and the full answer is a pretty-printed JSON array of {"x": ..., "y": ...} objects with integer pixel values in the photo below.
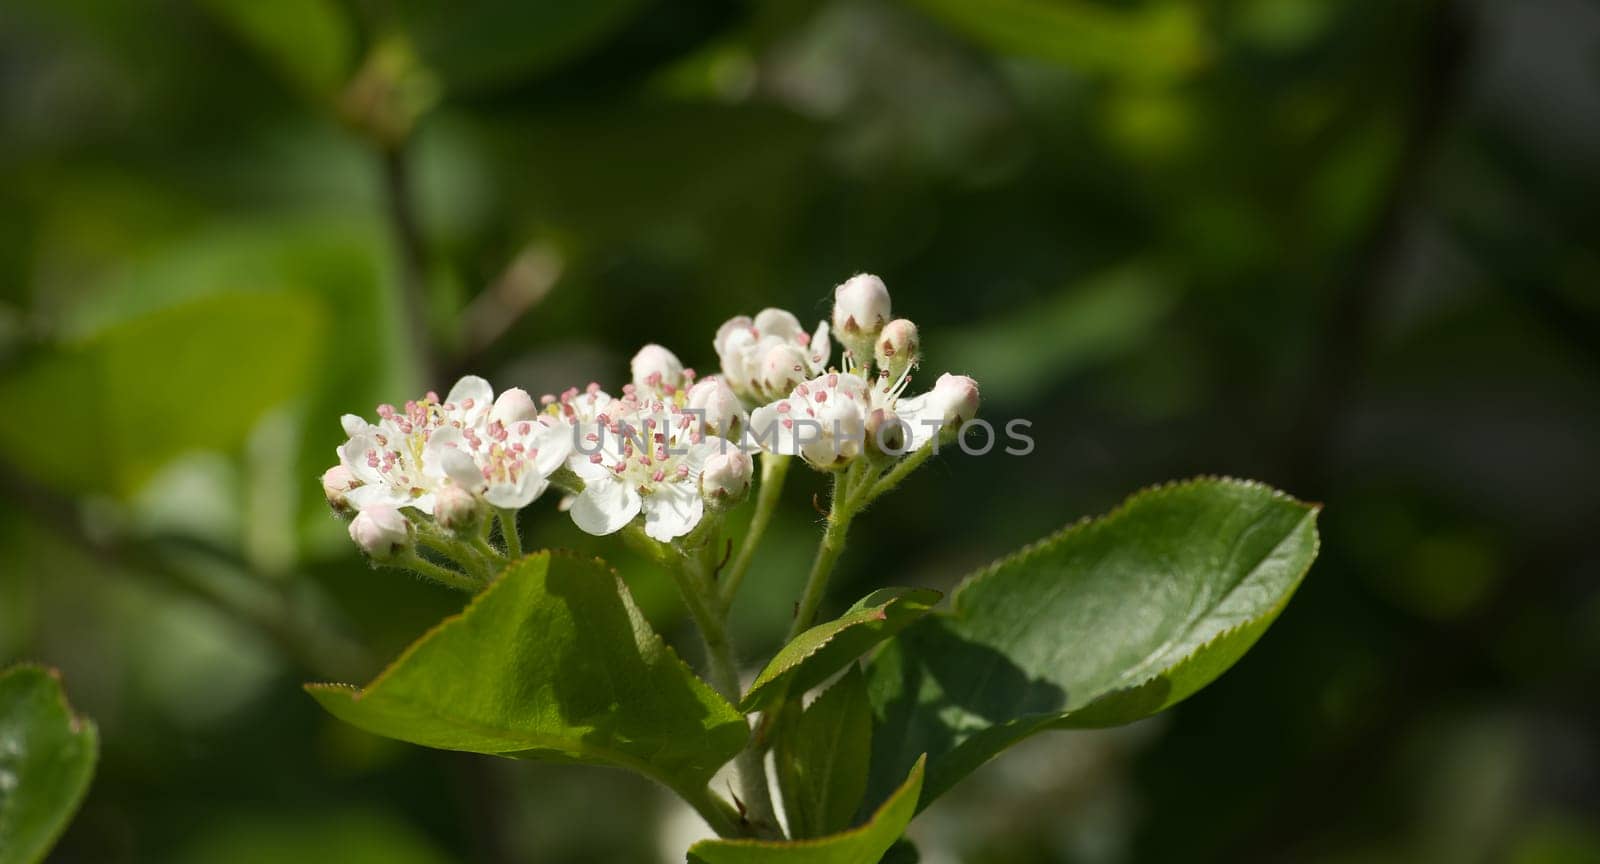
[{"x": 660, "y": 456}]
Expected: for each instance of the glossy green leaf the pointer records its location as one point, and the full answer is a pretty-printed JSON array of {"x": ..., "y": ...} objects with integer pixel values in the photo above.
[
  {"x": 1104, "y": 623},
  {"x": 815, "y": 655},
  {"x": 47, "y": 757},
  {"x": 552, "y": 661},
  {"x": 863, "y": 845},
  {"x": 822, "y": 755}
]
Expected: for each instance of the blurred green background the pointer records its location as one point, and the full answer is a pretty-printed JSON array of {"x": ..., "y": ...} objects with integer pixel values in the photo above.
[{"x": 1340, "y": 247}]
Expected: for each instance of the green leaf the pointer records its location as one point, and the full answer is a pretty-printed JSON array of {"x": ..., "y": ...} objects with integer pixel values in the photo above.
[
  {"x": 47, "y": 757},
  {"x": 821, "y": 756},
  {"x": 815, "y": 655},
  {"x": 863, "y": 845},
  {"x": 1103, "y": 623},
  {"x": 552, "y": 661}
]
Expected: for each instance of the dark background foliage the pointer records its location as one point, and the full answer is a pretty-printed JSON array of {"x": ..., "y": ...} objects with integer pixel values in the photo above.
[{"x": 1340, "y": 247}]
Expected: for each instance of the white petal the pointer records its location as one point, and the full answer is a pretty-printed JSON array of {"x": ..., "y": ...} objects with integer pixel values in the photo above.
[
  {"x": 820, "y": 350},
  {"x": 779, "y": 323},
  {"x": 461, "y": 468},
  {"x": 605, "y": 507},
  {"x": 554, "y": 445},
  {"x": 728, "y": 330},
  {"x": 513, "y": 406},
  {"x": 362, "y": 497},
  {"x": 672, "y": 512},
  {"x": 354, "y": 424},
  {"x": 515, "y": 496},
  {"x": 475, "y": 389},
  {"x": 767, "y": 432}
]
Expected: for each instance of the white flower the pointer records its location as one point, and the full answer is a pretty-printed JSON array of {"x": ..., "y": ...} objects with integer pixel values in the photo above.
[
  {"x": 581, "y": 409},
  {"x": 501, "y": 449},
  {"x": 743, "y": 344},
  {"x": 381, "y": 532},
  {"x": 726, "y": 478},
  {"x": 860, "y": 310},
  {"x": 656, "y": 371},
  {"x": 824, "y": 420},
  {"x": 941, "y": 411},
  {"x": 390, "y": 457},
  {"x": 723, "y": 413},
  {"x": 509, "y": 465},
  {"x": 642, "y": 459}
]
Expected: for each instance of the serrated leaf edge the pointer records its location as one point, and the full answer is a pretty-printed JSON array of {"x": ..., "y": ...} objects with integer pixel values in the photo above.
[{"x": 1148, "y": 493}]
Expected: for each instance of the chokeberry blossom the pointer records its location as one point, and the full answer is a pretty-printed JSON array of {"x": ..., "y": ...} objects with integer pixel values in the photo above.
[
  {"x": 823, "y": 420},
  {"x": 502, "y": 449},
  {"x": 773, "y": 340},
  {"x": 642, "y": 458}
]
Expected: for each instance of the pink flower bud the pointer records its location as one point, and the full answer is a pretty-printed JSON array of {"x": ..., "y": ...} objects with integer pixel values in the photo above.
[
  {"x": 860, "y": 309},
  {"x": 456, "y": 509},
  {"x": 336, "y": 484},
  {"x": 725, "y": 480},
  {"x": 896, "y": 347},
  {"x": 782, "y": 369},
  {"x": 958, "y": 396},
  {"x": 656, "y": 368},
  {"x": 381, "y": 532},
  {"x": 723, "y": 412}
]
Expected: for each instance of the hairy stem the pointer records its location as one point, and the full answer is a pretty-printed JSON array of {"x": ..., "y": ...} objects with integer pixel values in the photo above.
[
  {"x": 508, "y": 530},
  {"x": 774, "y": 469},
  {"x": 444, "y": 575},
  {"x": 839, "y": 516},
  {"x": 700, "y": 595}
]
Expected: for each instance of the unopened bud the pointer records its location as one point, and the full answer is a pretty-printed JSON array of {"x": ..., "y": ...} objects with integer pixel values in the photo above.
[
  {"x": 958, "y": 395},
  {"x": 514, "y": 406},
  {"x": 896, "y": 347},
  {"x": 782, "y": 369},
  {"x": 456, "y": 509},
  {"x": 886, "y": 433},
  {"x": 723, "y": 412},
  {"x": 656, "y": 368},
  {"x": 381, "y": 531},
  {"x": 336, "y": 484},
  {"x": 860, "y": 310},
  {"x": 725, "y": 479}
]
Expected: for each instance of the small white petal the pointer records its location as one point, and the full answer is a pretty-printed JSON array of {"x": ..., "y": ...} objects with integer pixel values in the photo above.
[
  {"x": 515, "y": 496},
  {"x": 605, "y": 507},
  {"x": 672, "y": 512}
]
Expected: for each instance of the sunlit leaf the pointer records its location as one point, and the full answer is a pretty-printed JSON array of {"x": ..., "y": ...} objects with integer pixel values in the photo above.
[
  {"x": 819, "y": 652},
  {"x": 1106, "y": 622},
  {"x": 47, "y": 757},
  {"x": 552, "y": 661}
]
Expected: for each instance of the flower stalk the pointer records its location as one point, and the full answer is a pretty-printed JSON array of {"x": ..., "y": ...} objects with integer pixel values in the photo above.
[{"x": 774, "y": 470}]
